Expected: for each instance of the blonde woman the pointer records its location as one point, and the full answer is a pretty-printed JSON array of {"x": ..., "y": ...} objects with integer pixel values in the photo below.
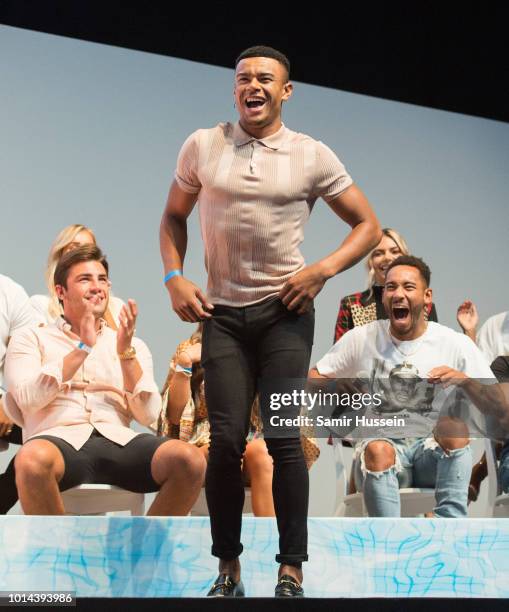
[
  {"x": 366, "y": 306},
  {"x": 47, "y": 307},
  {"x": 184, "y": 416}
]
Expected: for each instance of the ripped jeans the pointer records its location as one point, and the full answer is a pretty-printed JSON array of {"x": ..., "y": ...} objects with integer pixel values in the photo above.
[{"x": 420, "y": 462}]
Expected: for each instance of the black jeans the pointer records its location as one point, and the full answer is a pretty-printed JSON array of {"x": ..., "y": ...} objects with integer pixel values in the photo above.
[{"x": 239, "y": 346}]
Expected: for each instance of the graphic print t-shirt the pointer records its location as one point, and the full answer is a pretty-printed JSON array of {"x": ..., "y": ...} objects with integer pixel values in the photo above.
[{"x": 398, "y": 371}]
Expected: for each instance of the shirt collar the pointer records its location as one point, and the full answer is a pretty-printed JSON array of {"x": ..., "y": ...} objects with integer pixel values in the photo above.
[
  {"x": 65, "y": 327},
  {"x": 274, "y": 141}
]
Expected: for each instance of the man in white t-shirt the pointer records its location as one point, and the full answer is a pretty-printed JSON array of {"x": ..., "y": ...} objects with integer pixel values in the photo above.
[
  {"x": 493, "y": 337},
  {"x": 405, "y": 357},
  {"x": 15, "y": 313}
]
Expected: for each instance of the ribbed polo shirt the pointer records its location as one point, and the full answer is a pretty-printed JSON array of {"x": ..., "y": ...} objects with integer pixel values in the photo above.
[{"x": 254, "y": 197}]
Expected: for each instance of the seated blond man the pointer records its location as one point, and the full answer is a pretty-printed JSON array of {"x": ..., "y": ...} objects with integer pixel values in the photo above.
[{"x": 75, "y": 386}]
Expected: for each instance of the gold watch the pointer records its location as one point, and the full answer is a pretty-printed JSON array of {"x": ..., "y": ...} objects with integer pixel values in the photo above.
[{"x": 129, "y": 353}]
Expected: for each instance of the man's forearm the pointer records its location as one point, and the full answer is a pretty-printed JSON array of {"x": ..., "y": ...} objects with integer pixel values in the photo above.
[
  {"x": 72, "y": 363},
  {"x": 40, "y": 388},
  {"x": 173, "y": 241},
  {"x": 178, "y": 396},
  {"x": 471, "y": 333},
  {"x": 131, "y": 372},
  {"x": 489, "y": 399}
]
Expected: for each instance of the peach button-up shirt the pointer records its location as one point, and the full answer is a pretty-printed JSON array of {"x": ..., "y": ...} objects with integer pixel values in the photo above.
[{"x": 42, "y": 404}]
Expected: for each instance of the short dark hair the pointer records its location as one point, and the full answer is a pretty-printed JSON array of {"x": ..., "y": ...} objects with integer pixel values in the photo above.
[
  {"x": 87, "y": 252},
  {"x": 414, "y": 262},
  {"x": 264, "y": 51}
]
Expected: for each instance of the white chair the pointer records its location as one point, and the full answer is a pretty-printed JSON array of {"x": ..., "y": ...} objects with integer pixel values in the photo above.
[
  {"x": 98, "y": 499},
  {"x": 200, "y": 507},
  {"x": 498, "y": 501},
  {"x": 414, "y": 501}
]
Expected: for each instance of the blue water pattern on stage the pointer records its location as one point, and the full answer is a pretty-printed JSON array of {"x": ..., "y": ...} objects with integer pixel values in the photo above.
[{"x": 170, "y": 557}]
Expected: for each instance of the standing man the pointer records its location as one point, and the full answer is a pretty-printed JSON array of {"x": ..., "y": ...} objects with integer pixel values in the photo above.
[{"x": 256, "y": 182}]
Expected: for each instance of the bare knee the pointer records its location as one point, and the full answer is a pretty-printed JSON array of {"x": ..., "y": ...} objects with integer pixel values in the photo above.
[
  {"x": 451, "y": 433},
  {"x": 452, "y": 443},
  {"x": 257, "y": 459},
  {"x": 379, "y": 456},
  {"x": 38, "y": 459},
  {"x": 180, "y": 460}
]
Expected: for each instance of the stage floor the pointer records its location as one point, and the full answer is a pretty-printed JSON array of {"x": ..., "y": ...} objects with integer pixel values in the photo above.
[{"x": 170, "y": 557}]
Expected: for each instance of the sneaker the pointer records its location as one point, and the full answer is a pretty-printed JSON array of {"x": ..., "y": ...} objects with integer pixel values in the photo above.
[
  {"x": 287, "y": 586},
  {"x": 224, "y": 586}
]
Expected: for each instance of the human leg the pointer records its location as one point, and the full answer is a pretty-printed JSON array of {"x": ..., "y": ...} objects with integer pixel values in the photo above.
[
  {"x": 283, "y": 352},
  {"x": 258, "y": 467},
  {"x": 179, "y": 469},
  {"x": 45, "y": 466},
  {"x": 8, "y": 491},
  {"x": 229, "y": 375},
  {"x": 445, "y": 463},
  {"x": 376, "y": 470},
  {"x": 150, "y": 463}
]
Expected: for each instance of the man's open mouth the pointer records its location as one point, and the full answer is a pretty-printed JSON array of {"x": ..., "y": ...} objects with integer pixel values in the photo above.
[
  {"x": 255, "y": 102},
  {"x": 400, "y": 313}
]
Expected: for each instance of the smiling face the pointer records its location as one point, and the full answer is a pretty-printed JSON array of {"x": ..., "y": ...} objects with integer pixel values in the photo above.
[
  {"x": 405, "y": 298},
  {"x": 261, "y": 86},
  {"x": 385, "y": 252},
  {"x": 87, "y": 283}
]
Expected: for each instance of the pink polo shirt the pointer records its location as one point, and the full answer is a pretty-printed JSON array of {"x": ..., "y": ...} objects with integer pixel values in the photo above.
[
  {"x": 42, "y": 404},
  {"x": 254, "y": 197}
]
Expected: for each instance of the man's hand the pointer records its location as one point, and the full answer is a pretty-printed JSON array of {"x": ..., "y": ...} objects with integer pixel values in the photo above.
[
  {"x": 127, "y": 319},
  {"x": 188, "y": 300},
  {"x": 5, "y": 423},
  {"x": 446, "y": 376},
  {"x": 88, "y": 332},
  {"x": 468, "y": 317},
  {"x": 300, "y": 290}
]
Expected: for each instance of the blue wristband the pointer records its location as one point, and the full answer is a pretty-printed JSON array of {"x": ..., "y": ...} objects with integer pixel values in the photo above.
[
  {"x": 171, "y": 274},
  {"x": 84, "y": 347},
  {"x": 187, "y": 371}
]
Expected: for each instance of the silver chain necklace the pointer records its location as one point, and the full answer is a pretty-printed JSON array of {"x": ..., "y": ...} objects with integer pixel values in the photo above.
[{"x": 410, "y": 353}]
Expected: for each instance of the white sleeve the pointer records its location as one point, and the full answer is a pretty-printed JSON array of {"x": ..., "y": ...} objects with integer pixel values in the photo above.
[
  {"x": 21, "y": 312},
  {"x": 489, "y": 338},
  {"x": 341, "y": 360},
  {"x": 474, "y": 363},
  {"x": 144, "y": 401},
  {"x": 40, "y": 305}
]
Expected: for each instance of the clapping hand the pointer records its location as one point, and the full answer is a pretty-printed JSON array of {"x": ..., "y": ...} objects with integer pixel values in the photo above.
[
  {"x": 127, "y": 319},
  {"x": 88, "y": 332}
]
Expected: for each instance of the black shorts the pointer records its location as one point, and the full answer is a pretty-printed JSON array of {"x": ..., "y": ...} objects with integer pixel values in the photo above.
[{"x": 101, "y": 461}]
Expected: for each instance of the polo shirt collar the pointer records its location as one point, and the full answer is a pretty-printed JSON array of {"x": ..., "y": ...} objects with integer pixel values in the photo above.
[{"x": 274, "y": 141}]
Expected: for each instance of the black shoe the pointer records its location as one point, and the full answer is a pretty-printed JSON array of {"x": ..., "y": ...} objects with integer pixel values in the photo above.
[
  {"x": 287, "y": 586},
  {"x": 224, "y": 586}
]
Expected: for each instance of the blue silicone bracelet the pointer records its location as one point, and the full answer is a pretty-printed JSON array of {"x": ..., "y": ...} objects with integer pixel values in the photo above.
[
  {"x": 84, "y": 347},
  {"x": 171, "y": 274}
]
